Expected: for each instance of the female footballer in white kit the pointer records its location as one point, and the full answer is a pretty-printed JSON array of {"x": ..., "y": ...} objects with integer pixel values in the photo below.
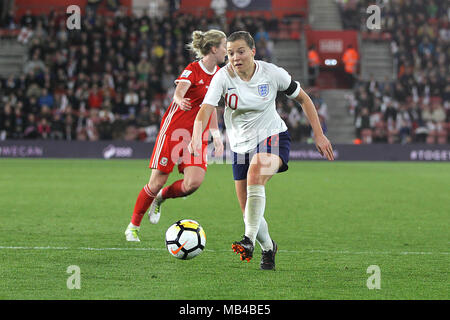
[{"x": 258, "y": 136}]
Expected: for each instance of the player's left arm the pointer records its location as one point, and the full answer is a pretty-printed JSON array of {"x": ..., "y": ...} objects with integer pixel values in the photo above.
[
  {"x": 294, "y": 91},
  {"x": 322, "y": 143}
]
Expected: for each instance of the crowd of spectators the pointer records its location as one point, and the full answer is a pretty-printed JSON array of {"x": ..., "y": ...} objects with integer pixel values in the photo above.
[
  {"x": 415, "y": 107},
  {"x": 112, "y": 79}
]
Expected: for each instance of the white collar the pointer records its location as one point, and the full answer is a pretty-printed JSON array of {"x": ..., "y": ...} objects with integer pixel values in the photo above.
[{"x": 206, "y": 70}]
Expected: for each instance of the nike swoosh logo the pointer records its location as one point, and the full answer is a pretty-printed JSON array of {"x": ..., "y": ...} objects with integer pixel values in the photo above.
[
  {"x": 178, "y": 250},
  {"x": 231, "y": 88}
]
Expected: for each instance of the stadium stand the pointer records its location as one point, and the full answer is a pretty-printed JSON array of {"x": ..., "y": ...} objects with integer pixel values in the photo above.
[
  {"x": 113, "y": 78},
  {"x": 415, "y": 106}
]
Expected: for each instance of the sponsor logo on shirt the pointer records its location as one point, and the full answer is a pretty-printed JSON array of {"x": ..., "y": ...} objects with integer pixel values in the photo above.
[{"x": 185, "y": 73}]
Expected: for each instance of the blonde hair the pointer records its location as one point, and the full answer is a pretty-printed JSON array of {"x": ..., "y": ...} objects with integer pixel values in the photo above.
[{"x": 202, "y": 42}]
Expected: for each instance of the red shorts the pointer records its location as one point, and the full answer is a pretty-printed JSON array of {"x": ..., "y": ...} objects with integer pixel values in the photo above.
[{"x": 171, "y": 150}]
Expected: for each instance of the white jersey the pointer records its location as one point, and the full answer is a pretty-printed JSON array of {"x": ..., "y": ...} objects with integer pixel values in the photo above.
[{"x": 250, "y": 110}]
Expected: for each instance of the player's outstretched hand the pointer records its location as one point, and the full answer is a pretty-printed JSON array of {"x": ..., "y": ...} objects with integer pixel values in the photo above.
[
  {"x": 323, "y": 145},
  {"x": 195, "y": 147}
]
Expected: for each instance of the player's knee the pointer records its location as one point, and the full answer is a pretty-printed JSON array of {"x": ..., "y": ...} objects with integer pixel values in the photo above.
[
  {"x": 255, "y": 178},
  {"x": 157, "y": 181},
  {"x": 190, "y": 186},
  {"x": 257, "y": 175},
  {"x": 155, "y": 186}
]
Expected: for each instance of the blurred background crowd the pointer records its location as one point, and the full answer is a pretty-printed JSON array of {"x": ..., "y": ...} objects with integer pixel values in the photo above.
[
  {"x": 114, "y": 78},
  {"x": 416, "y": 106}
]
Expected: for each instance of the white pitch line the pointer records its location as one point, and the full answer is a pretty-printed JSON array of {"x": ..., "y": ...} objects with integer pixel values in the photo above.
[
  {"x": 210, "y": 250},
  {"x": 378, "y": 252}
]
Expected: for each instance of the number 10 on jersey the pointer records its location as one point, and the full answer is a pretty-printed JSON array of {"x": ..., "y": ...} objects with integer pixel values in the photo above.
[{"x": 231, "y": 100}]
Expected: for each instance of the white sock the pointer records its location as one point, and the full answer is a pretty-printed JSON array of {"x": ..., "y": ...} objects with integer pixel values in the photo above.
[
  {"x": 254, "y": 210},
  {"x": 263, "y": 236},
  {"x": 132, "y": 226}
]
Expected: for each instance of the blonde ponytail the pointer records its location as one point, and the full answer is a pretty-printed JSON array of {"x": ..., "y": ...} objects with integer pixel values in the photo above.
[{"x": 202, "y": 42}]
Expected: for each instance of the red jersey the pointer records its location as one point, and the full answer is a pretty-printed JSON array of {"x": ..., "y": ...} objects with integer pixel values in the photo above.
[
  {"x": 199, "y": 78},
  {"x": 171, "y": 143}
]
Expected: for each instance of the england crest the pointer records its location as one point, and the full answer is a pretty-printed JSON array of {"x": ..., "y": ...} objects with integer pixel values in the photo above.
[{"x": 263, "y": 90}]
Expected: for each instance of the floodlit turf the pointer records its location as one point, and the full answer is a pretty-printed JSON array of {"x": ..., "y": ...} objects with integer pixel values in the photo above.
[{"x": 331, "y": 222}]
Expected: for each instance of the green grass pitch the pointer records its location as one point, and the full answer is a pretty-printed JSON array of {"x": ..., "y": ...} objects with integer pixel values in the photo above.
[{"x": 331, "y": 220}]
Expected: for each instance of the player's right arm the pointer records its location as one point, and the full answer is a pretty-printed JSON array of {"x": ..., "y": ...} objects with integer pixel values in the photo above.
[
  {"x": 201, "y": 120},
  {"x": 211, "y": 101},
  {"x": 215, "y": 133}
]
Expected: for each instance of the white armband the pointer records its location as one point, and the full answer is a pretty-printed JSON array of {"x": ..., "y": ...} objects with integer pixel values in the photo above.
[{"x": 293, "y": 90}]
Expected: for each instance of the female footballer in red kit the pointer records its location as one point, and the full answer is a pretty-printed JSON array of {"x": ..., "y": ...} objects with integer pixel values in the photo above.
[{"x": 176, "y": 131}]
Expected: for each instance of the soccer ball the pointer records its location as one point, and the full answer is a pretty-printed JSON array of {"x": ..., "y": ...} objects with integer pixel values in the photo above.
[{"x": 185, "y": 239}]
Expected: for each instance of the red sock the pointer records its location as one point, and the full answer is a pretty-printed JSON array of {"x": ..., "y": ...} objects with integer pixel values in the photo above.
[
  {"x": 175, "y": 190},
  {"x": 143, "y": 202}
]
